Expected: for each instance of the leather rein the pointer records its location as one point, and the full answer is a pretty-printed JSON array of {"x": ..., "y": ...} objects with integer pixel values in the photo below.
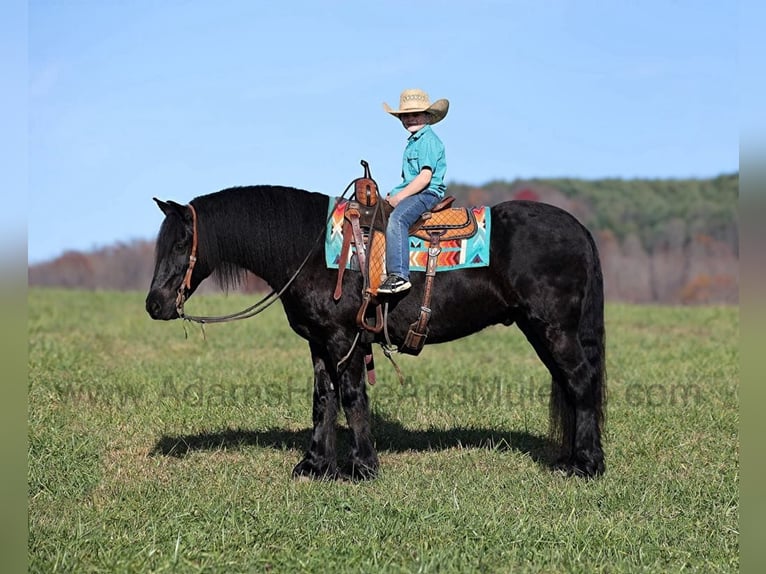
[{"x": 260, "y": 305}]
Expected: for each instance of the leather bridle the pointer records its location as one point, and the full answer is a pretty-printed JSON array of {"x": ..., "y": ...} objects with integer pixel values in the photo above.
[{"x": 186, "y": 283}]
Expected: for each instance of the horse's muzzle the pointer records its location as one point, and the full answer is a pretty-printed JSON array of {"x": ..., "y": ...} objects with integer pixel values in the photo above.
[{"x": 161, "y": 307}]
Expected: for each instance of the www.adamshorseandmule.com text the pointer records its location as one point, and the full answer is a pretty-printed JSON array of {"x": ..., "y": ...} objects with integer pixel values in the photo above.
[{"x": 497, "y": 391}]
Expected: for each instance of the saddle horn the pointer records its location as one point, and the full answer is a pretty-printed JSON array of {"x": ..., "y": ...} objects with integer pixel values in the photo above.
[{"x": 365, "y": 188}]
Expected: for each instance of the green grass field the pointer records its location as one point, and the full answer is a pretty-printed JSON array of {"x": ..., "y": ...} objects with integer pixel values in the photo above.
[{"x": 149, "y": 451}]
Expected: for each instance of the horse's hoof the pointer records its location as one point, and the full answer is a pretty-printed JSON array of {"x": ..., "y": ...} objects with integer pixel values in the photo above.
[
  {"x": 309, "y": 470},
  {"x": 583, "y": 467},
  {"x": 358, "y": 471}
]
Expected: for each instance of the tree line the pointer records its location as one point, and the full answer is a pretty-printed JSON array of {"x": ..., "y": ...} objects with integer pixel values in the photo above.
[{"x": 660, "y": 240}]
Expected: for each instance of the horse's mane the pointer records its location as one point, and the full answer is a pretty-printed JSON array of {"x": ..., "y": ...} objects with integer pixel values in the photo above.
[{"x": 238, "y": 228}]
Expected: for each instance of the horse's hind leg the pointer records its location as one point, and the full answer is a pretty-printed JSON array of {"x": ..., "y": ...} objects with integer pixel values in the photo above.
[
  {"x": 576, "y": 397},
  {"x": 576, "y": 405},
  {"x": 320, "y": 459}
]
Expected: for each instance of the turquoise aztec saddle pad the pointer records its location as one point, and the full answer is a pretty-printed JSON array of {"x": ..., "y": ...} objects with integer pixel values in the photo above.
[{"x": 455, "y": 254}]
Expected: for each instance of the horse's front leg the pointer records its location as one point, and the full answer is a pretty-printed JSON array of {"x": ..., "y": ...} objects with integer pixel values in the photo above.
[
  {"x": 363, "y": 463},
  {"x": 320, "y": 459}
]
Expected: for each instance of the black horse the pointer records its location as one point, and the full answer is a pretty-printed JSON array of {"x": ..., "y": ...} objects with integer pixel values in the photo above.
[{"x": 544, "y": 275}]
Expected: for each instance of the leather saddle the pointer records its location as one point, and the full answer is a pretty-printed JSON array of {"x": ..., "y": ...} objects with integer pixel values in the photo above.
[{"x": 449, "y": 222}]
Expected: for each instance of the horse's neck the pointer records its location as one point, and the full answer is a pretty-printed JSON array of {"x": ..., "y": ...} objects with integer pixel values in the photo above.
[{"x": 271, "y": 231}]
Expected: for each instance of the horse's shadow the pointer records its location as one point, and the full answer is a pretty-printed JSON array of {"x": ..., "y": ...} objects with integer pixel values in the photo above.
[{"x": 390, "y": 436}]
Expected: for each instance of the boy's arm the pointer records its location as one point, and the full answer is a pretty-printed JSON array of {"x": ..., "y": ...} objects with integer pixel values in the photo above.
[{"x": 418, "y": 184}]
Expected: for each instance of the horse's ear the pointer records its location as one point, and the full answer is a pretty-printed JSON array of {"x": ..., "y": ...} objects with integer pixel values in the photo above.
[
  {"x": 171, "y": 206},
  {"x": 165, "y": 207},
  {"x": 181, "y": 210}
]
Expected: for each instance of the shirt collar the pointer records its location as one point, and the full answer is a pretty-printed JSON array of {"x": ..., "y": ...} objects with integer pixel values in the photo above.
[{"x": 419, "y": 133}]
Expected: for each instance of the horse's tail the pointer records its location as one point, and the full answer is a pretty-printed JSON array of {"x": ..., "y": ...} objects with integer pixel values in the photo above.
[{"x": 591, "y": 334}]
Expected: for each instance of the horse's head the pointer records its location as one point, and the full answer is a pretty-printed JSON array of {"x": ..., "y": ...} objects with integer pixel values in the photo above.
[{"x": 173, "y": 257}]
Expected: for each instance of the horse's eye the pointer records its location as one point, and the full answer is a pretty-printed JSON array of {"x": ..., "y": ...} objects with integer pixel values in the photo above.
[{"x": 179, "y": 247}]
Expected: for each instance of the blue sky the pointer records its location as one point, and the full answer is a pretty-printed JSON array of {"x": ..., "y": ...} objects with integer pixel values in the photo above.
[{"x": 174, "y": 99}]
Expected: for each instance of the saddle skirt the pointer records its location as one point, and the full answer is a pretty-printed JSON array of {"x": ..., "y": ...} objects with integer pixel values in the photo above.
[{"x": 464, "y": 239}]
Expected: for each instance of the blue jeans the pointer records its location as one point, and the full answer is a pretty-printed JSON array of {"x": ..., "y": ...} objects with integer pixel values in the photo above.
[{"x": 399, "y": 223}]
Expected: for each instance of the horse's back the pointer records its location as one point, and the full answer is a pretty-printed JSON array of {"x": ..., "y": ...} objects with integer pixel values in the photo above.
[
  {"x": 537, "y": 217},
  {"x": 538, "y": 233}
]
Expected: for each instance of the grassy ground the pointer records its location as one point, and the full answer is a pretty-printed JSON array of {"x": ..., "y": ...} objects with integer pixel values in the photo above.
[{"x": 149, "y": 451}]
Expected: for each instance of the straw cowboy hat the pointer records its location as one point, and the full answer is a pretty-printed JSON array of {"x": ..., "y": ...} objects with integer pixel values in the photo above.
[{"x": 412, "y": 101}]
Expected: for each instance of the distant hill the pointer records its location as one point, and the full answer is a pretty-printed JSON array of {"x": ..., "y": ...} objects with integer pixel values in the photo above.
[
  {"x": 653, "y": 210},
  {"x": 664, "y": 241},
  {"x": 661, "y": 241},
  {"x": 122, "y": 267}
]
